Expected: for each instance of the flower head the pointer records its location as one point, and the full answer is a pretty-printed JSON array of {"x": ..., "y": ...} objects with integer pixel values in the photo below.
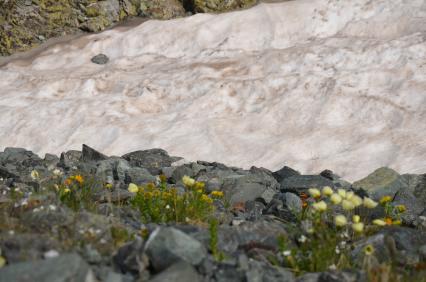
[
  {"x": 356, "y": 200},
  {"x": 349, "y": 195},
  {"x": 108, "y": 186},
  {"x": 79, "y": 178},
  {"x": 342, "y": 193},
  {"x": 188, "y": 181},
  {"x": 133, "y": 188},
  {"x": 401, "y": 208},
  {"x": 369, "y": 203},
  {"x": 327, "y": 191},
  {"x": 379, "y": 222},
  {"x": 314, "y": 192},
  {"x": 217, "y": 194},
  {"x": 320, "y": 206},
  {"x": 336, "y": 199},
  {"x": 67, "y": 190},
  {"x": 356, "y": 218},
  {"x": 347, "y": 205},
  {"x": 340, "y": 220},
  {"x": 369, "y": 250},
  {"x": 35, "y": 175},
  {"x": 358, "y": 227},
  {"x": 206, "y": 199},
  {"x": 57, "y": 172},
  {"x": 385, "y": 199},
  {"x": 396, "y": 222}
]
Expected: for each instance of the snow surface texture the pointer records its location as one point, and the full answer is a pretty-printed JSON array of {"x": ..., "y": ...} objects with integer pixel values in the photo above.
[{"x": 312, "y": 84}]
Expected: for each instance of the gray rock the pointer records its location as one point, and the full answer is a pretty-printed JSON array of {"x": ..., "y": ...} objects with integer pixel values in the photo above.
[
  {"x": 166, "y": 246},
  {"x": 153, "y": 160},
  {"x": 130, "y": 258},
  {"x": 414, "y": 206},
  {"x": 90, "y": 154},
  {"x": 383, "y": 181},
  {"x": 65, "y": 268},
  {"x": 251, "y": 186},
  {"x": 70, "y": 159},
  {"x": 263, "y": 272},
  {"x": 398, "y": 243},
  {"x": 100, "y": 59},
  {"x": 420, "y": 189},
  {"x": 180, "y": 271},
  {"x": 285, "y": 172},
  {"x": 293, "y": 202},
  {"x": 301, "y": 183}
]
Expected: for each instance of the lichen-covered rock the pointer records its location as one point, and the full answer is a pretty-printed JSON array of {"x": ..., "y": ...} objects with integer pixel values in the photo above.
[
  {"x": 211, "y": 6},
  {"x": 162, "y": 9}
]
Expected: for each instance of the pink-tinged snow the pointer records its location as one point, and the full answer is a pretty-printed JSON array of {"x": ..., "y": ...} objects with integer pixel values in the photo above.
[{"x": 312, "y": 84}]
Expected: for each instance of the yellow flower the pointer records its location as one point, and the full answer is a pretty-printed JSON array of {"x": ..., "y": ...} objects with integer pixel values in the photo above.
[
  {"x": 356, "y": 200},
  {"x": 369, "y": 203},
  {"x": 340, "y": 220},
  {"x": 199, "y": 185},
  {"x": 385, "y": 199},
  {"x": 388, "y": 221},
  {"x": 369, "y": 250},
  {"x": 358, "y": 227},
  {"x": 218, "y": 194},
  {"x": 401, "y": 208},
  {"x": 356, "y": 218},
  {"x": 320, "y": 206},
  {"x": 396, "y": 222},
  {"x": 347, "y": 205},
  {"x": 68, "y": 181},
  {"x": 379, "y": 222},
  {"x": 67, "y": 190},
  {"x": 79, "y": 179},
  {"x": 342, "y": 193},
  {"x": 188, "y": 181},
  {"x": 133, "y": 188},
  {"x": 108, "y": 186},
  {"x": 200, "y": 191},
  {"x": 327, "y": 191},
  {"x": 349, "y": 195},
  {"x": 206, "y": 199},
  {"x": 35, "y": 175},
  {"x": 314, "y": 192},
  {"x": 336, "y": 199}
]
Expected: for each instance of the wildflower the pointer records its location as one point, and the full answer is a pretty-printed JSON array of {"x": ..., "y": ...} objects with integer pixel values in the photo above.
[
  {"x": 369, "y": 250},
  {"x": 379, "y": 222},
  {"x": 401, "y": 208},
  {"x": 35, "y": 175},
  {"x": 347, "y": 205},
  {"x": 340, "y": 220},
  {"x": 337, "y": 250},
  {"x": 369, "y": 203},
  {"x": 356, "y": 218},
  {"x": 57, "y": 172},
  {"x": 349, "y": 195},
  {"x": 302, "y": 239},
  {"x": 79, "y": 178},
  {"x": 388, "y": 221},
  {"x": 56, "y": 186},
  {"x": 199, "y": 185},
  {"x": 336, "y": 199},
  {"x": 188, "y": 181},
  {"x": 358, "y": 227},
  {"x": 108, "y": 186},
  {"x": 314, "y": 192},
  {"x": 286, "y": 253},
  {"x": 167, "y": 207},
  {"x": 320, "y": 206},
  {"x": 342, "y": 193},
  {"x": 67, "y": 190},
  {"x": 162, "y": 178},
  {"x": 356, "y": 200},
  {"x": 133, "y": 188},
  {"x": 206, "y": 199},
  {"x": 218, "y": 194},
  {"x": 68, "y": 181},
  {"x": 200, "y": 191},
  {"x": 385, "y": 199},
  {"x": 396, "y": 222},
  {"x": 327, "y": 191}
]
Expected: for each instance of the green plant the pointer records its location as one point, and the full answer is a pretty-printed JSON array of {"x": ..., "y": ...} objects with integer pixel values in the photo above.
[
  {"x": 160, "y": 203},
  {"x": 76, "y": 192},
  {"x": 213, "y": 230}
]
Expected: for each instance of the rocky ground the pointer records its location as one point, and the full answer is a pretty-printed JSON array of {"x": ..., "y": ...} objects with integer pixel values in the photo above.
[
  {"x": 27, "y": 23},
  {"x": 258, "y": 235}
]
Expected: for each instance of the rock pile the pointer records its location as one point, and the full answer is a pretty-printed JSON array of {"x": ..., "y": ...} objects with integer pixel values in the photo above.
[{"x": 42, "y": 239}]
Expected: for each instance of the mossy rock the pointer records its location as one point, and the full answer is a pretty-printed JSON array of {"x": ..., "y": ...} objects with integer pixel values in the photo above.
[
  {"x": 215, "y": 6},
  {"x": 161, "y": 9}
]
